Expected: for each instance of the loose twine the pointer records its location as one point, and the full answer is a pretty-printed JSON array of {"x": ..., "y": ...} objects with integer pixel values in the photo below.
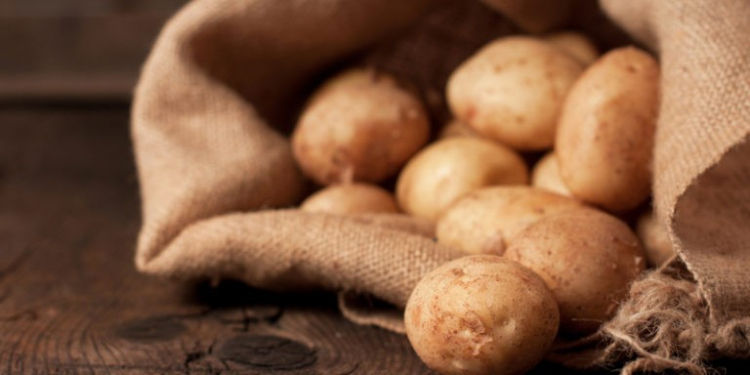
[{"x": 665, "y": 326}]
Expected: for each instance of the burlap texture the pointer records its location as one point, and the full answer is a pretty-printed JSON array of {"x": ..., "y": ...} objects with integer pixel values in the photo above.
[{"x": 225, "y": 79}]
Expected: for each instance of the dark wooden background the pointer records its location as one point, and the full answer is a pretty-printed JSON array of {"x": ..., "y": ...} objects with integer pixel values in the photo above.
[{"x": 71, "y": 301}]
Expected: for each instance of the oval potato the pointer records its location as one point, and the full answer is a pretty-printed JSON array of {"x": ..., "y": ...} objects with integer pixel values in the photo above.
[
  {"x": 606, "y": 132},
  {"x": 575, "y": 44},
  {"x": 512, "y": 91},
  {"x": 355, "y": 198},
  {"x": 546, "y": 175},
  {"x": 447, "y": 169}
]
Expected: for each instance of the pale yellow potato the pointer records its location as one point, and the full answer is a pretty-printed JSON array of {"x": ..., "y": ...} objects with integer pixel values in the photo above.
[
  {"x": 575, "y": 44},
  {"x": 655, "y": 239},
  {"x": 360, "y": 126},
  {"x": 447, "y": 169},
  {"x": 546, "y": 175},
  {"x": 456, "y": 128},
  {"x": 512, "y": 91},
  {"x": 485, "y": 220},
  {"x": 606, "y": 132},
  {"x": 355, "y": 198},
  {"x": 481, "y": 314},
  {"x": 588, "y": 259}
]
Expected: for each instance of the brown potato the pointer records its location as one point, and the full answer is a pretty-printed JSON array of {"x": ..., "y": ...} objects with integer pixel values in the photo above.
[
  {"x": 512, "y": 91},
  {"x": 546, "y": 175},
  {"x": 588, "y": 259},
  {"x": 348, "y": 199},
  {"x": 481, "y": 314},
  {"x": 606, "y": 132},
  {"x": 452, "y": 167},
  {"x": 575, "y": 44},
  {"x": 360, "y": 126},
  {"x": 655, "y": 239},
  {"x": 485, "y": 220}
]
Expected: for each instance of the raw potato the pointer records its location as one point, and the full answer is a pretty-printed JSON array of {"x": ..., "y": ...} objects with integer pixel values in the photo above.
[
  {"x": 349, "y": 199},
  {"x": 546, "y": 175},
  {"x": 360, "y": 126},
  {"x": 575, "y": 44},
  {"x": 449, "y": 168},
  {"x": 606, "y": 133},
  {"x": 655, "y": 239},
  {"x": 588, "y": 259},
  {"x": 512, "y": 91},
  {"x": 486, "y": 220},
  {"x": 481, "y": 314}
]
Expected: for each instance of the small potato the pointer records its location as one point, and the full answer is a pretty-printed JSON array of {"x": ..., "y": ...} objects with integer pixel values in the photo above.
[
  {"x": 456, "y": 128},
  {"x": 588, "y": 259},
  {"x": 485, "y": 220},
  {"x": 452, "y": 167},
  {"x": 481, "y": 314},
  {"x": 512, "y": 91},
  {"x": 346, "y": 199},
  {"x": 655, "y": 239},
  {"x": 575, "y": 44},
  {"x": 606, "y": 132},
  {"x": 546, "y": 175},
  {"x": 360, "y": 126}
]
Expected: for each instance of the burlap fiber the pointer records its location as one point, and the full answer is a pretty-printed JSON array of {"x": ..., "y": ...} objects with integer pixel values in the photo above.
[{"x": 225, "y": 79}]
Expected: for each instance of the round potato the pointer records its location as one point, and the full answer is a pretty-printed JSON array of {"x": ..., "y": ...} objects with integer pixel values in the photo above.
[
  {"x": 606, "y": 132},
  {"x": 355, "y": 198},
  {"x": 575, "y": 44},
  {"x": 655, "y": 239},
  {"x": 456, "y": 128},
  {"x": 360, "y": 126},
  {"x": 588, "y": 259},
  {"x": 449, "y": 168},
  {"x": 546, "y": 175},
  {"x": 481, "y": 314},
  {"x": 512, "y": 91},
  {"x": 485, "y": 220}
]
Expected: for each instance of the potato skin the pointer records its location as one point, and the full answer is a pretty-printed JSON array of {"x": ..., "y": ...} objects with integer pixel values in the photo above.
[
  {"x": 359, "y": 126},
  {"x": 347, "y": 199},
  {"x": 655, "y": 239},
  {"x": 588, "y": 259},
  {"x": 606, "y": 132},
  {"x": 481, "y": 314},
  {"x": 447, "y": 169},
  {"x": 456, "y": 128},
  {"x": 575, "y": 44},
  {"x": 512, "y": 91},
  {"x": 546, "y": 175},
  {"x": 485, "y": 220}
]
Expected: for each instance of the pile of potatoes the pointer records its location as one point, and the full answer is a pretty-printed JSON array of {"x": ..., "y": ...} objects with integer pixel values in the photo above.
[{"x": 547, "y": 253}]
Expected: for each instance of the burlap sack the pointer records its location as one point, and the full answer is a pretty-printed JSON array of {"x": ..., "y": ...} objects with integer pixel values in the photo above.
[{"x": 225, "y": 79}]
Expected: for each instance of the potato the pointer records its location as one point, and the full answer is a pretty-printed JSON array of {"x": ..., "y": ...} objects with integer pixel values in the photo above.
[
  {"x": 575, "y": 44},
  {"x": 481, "y": 314},
  {"x": 449, "y": 168},
  {"x": 355, "y": 198},
  {"x": 456, "y": 128},
  {"x": 546, "y": 175},
  {"x": 655, "y": 239},
  {"x": 606, "y": 132},
  {"x": 485, "y": 220},
  {"x": 360, "y": 126},
  {"x": 512, "y": 91},
  {"x": 587, "y": 257}
]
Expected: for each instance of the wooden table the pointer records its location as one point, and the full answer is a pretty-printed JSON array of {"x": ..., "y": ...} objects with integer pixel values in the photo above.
[{"x": 71, "y": 301}]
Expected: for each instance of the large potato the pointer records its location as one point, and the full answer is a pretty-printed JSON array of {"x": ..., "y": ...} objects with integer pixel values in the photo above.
[
  {"x": 355, "y": 198},
  {"x": 588, "y": 259},
  {"x": 606, "y": 133},
  {"x": 485, "y": 220},
  {"x": 481, "y": 314},
  {"x": 449, "y": 168},
  {"x": 512, "y": 91},
  {"x": 575, "y": 44},
  {"x": 360, "y": 126},
  {"x": 546, "y": 175}
]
